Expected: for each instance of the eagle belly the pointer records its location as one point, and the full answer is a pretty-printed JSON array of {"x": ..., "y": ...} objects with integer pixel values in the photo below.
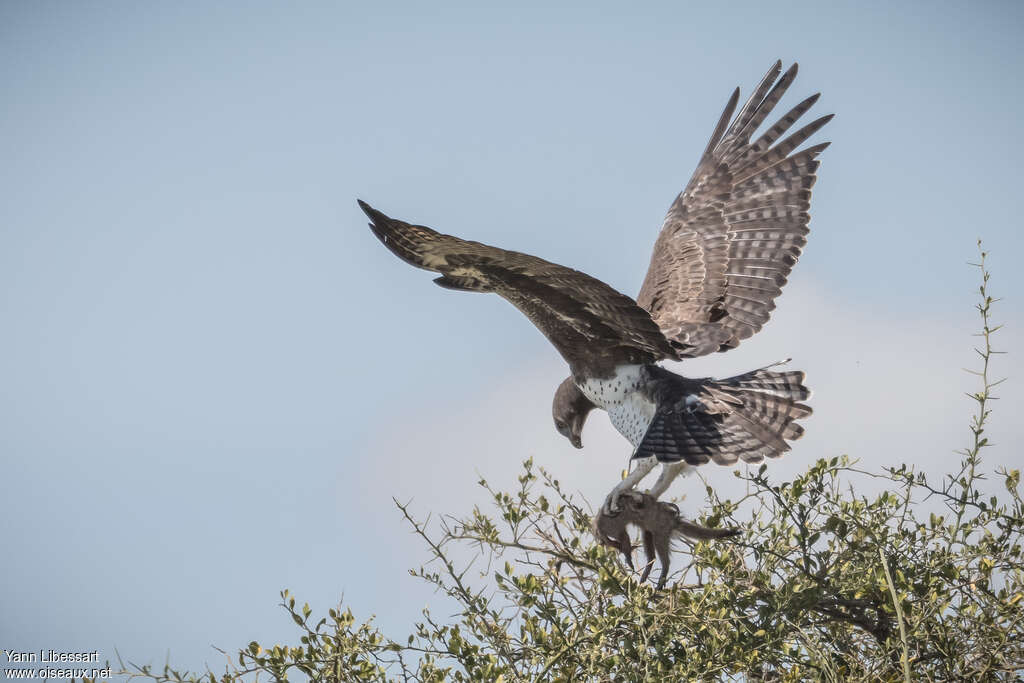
[{"x": 623, "y": 397}]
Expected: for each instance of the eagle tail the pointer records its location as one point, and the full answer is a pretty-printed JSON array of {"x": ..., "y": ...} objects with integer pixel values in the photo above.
[
  {"x": 766, "y": 405},
  {"x": 748, "y": 417}
]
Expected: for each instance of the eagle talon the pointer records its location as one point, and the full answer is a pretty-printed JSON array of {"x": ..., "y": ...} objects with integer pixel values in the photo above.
[{"x": 611, "y": 504}]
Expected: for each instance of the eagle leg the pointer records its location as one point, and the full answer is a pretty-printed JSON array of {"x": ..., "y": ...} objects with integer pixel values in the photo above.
[
  {"x": 669, "y": 471},
  {"x": 643, "y": 466}
]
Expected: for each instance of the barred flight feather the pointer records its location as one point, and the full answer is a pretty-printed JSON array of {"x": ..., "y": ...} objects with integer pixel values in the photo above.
[{"x": 741, "y": 222}]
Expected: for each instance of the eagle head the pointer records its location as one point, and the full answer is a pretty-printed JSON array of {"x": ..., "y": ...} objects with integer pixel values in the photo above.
[{"x": 570, "y": 409}]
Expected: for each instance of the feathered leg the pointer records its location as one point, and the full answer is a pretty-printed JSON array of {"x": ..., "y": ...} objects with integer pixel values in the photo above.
[
  {"x": 643, "y": 466},
  {"x": 669, "y": 471}
]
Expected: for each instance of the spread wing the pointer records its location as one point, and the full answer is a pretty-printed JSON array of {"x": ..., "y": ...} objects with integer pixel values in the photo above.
[
  {"x": 732, "y": 236},
  {"x": 586, "y": 320}
]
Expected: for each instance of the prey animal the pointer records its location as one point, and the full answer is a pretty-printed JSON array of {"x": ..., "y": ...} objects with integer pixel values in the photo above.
[
  {"x": 725, "y": 250},
  {"x": 659, "y": 522}
]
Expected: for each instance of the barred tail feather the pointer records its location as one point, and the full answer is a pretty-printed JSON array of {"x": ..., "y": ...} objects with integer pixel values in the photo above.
[
  {"x": 748, "y": 417},
  {"x": 769, "y": 403}
]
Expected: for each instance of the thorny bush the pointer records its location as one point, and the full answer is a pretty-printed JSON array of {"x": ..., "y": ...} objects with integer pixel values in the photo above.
[{"x": 823, "y": 584}]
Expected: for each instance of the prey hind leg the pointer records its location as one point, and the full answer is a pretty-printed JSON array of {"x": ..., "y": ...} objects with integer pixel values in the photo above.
[
  {"x": 649, "y": 551},
  {"x": 643, "y": 466}
]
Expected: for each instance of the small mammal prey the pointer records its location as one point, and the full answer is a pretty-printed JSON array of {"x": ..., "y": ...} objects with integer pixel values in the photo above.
[{"x": 658, "y": 520}]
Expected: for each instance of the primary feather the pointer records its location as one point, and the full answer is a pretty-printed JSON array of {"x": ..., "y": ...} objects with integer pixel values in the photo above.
[{"x": 732, "y": 236}]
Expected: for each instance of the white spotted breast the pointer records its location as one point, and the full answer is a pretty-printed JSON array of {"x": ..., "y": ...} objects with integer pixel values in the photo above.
[{"x": 628, "y": 408}]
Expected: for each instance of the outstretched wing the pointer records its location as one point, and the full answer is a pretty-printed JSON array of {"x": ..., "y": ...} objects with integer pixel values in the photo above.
[
  {"x": 586, "y": 320},
  {"x": 732, "y": 236}
]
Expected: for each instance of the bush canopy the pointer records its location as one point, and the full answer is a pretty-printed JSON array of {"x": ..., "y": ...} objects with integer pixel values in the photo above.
[{"x": 923, "y": 580}]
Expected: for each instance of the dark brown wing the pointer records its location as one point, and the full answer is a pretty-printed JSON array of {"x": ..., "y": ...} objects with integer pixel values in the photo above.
[
  {"x": 586, "y": 320},
  {"x": 732, "y": 236}
]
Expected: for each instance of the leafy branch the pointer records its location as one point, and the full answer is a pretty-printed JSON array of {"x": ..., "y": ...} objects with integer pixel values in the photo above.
[{"x": 826, "y": 582}]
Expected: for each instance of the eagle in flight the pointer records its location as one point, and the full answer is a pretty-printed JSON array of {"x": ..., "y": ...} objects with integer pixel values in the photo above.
[{"x": 726, "y": 247}]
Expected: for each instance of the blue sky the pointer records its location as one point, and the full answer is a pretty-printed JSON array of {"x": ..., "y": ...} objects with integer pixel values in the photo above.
[{"x": 215, "y": 378}]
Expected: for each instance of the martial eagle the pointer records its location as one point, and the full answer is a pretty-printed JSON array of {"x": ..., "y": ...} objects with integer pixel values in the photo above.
[{"x": 726, "y": 247}]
